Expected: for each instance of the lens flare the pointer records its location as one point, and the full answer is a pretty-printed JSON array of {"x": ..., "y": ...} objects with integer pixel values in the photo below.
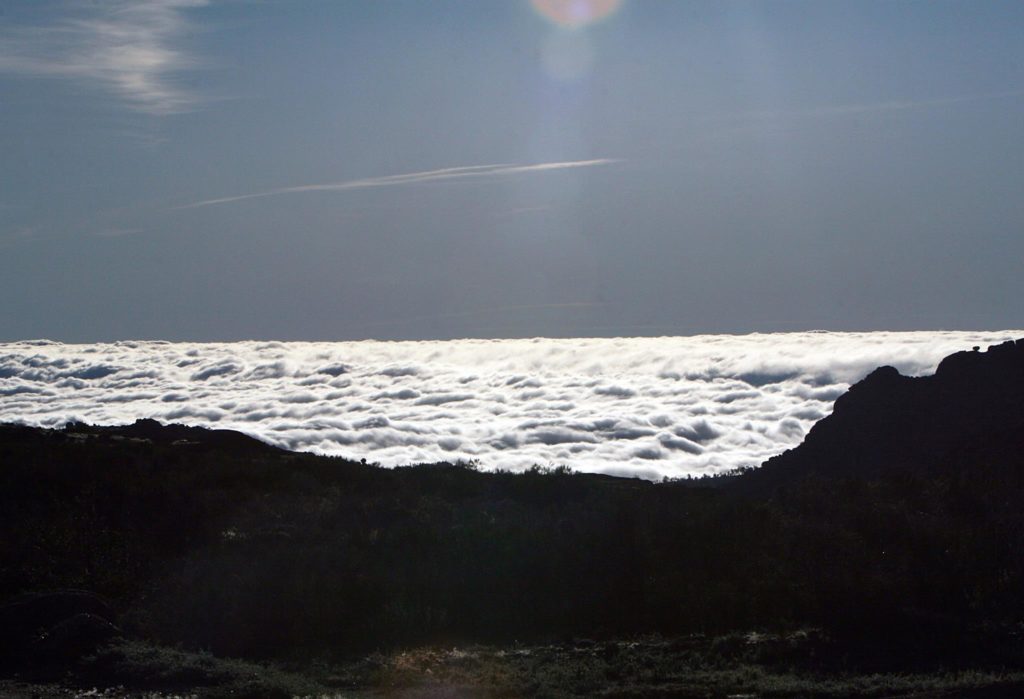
[
  {"x": 573, "y": 14},
  {"x": 567, "y": 57}
]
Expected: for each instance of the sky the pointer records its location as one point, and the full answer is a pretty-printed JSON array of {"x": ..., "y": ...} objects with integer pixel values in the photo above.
[{"x": 219, "y": 170}]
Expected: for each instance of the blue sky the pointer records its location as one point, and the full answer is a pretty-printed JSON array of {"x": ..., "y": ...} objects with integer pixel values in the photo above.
[{"x": 190, "y": 170}]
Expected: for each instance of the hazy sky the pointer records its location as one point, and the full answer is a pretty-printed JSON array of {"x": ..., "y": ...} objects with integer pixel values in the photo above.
[{"x": 184, "y": 169}]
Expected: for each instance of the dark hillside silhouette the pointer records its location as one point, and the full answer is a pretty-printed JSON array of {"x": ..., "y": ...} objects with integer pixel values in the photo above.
[
  {"x": 971, "y": 409},
  {"x": 898, "y": 521}
]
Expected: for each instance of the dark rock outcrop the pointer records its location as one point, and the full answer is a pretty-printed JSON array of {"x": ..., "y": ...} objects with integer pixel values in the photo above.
[
  {"x": 55, "y": 622},
  {"x": 74, "y": 637},
  {"x": 972, "y": 408}
]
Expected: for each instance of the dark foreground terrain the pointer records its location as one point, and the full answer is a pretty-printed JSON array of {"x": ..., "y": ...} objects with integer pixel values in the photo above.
[{"x": 882, "y": 557}]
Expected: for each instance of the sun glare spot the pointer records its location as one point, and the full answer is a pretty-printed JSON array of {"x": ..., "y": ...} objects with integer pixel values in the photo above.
[{"x": 573, "y": 14}]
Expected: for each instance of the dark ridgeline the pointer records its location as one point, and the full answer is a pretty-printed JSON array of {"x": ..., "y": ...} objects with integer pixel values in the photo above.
[
  {"x": 899, "y": 517},
  {"x": 970, "y": 413}
]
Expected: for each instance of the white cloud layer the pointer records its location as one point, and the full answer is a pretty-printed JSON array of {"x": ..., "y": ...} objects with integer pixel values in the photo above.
[
  {"x": 648, "y": 407},
  {"x": 125, "y": 46}
]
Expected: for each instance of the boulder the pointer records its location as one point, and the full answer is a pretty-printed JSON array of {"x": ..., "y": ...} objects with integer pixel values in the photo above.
[
  {"x": 74, "y": 637},
  {"x": 27, "y": 618}
]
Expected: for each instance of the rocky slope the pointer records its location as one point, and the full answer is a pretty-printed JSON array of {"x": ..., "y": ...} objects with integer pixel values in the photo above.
[{"x": 969, "y": 413}]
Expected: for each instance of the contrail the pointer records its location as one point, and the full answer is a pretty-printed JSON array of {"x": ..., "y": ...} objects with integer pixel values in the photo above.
[{"x": 451, "y": 173}]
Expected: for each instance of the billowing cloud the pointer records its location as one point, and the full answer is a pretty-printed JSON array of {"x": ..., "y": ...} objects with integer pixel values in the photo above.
[
  {"x": 451, "y": 173},
  {"x": 649, "y": 407},
  {"x": 128, "y": 47}
]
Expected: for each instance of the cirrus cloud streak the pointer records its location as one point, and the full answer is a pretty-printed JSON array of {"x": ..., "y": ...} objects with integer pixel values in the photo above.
[
  {"x": 128, "y": 47},
  {"x": 451, "y": 173}
]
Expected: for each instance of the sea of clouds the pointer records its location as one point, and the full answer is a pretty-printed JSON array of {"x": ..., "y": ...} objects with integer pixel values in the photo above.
[{"x": 647, "y": 407}]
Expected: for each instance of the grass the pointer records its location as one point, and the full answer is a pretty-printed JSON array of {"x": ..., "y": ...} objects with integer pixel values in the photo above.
[
  {"x": 144, "y": 666},
  {"x": 736, "y": 665},
  {"x": 691, "y": 666}
]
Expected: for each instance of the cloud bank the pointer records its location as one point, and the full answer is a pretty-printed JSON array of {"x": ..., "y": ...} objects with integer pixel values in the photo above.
[
  {"x": 125, "y": 46},
  {"x": 646, "y": 407}
]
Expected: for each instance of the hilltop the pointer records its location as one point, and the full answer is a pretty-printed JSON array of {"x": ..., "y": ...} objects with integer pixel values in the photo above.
[{"x": 969, "y": 413}]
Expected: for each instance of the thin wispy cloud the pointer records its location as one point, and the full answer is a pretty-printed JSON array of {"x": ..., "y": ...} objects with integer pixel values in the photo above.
[
  {"x": 523, "y": 210},
  {"x": 451, "y": 173},
  {"x": 489, "y": 311},
  {"x": 127, "y": 47},
  {"x": 116, "y": 232},
  {"x": 886, "y": 106},
  {"x": 17, "y": 235}
]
